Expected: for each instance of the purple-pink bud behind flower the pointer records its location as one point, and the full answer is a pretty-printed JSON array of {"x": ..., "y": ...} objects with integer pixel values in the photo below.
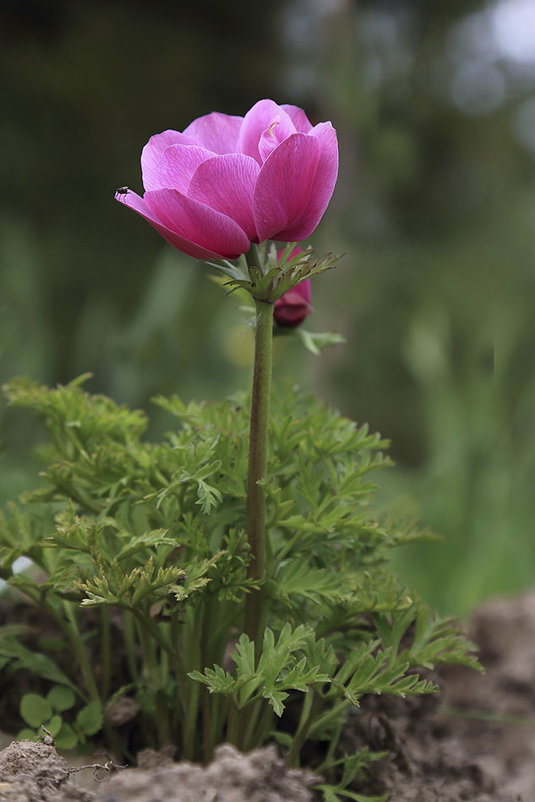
[{"x": 294, "y": 306}]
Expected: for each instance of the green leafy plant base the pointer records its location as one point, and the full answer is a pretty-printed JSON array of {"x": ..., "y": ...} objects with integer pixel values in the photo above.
[
  {"x": 139, "y": 565},
  {"x": 46, "y": 712}
]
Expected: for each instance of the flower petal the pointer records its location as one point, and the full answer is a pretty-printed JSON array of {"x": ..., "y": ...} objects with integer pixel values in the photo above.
[
  {"x": 279, "y": 130},
  {"x": 298, "y": 117},
  {"x": 216, "y": 132},
  {"x": 133, "y": 201},
  {"x": 256, "y": 121},
  {"x": 284, "y": 184},
  {"x": 152, "y": 153},
  {"x": 196, "y": 223},
  {"x": 177, "y": 166},
  {"x": 322, "y": 185},
  {"x": 226, "y": 184}
]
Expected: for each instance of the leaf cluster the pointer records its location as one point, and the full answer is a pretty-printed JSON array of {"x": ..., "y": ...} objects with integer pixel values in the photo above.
[
  {"x": 139, "y": 561},
  {"x": 52, "y": 712},
  {"x": 267, "y": 274}
]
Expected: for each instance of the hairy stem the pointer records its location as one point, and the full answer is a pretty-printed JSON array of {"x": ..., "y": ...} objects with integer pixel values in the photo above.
[{"x": 258, "y": 441}]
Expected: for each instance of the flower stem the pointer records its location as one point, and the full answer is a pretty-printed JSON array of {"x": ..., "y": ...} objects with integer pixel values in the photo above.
[{"x": 258, "y": 440}]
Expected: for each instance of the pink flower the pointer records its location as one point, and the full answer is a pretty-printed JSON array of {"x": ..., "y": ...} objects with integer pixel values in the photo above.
[
  {"x": 226, "y": 181},
  {"x": 292, "y": 308}
]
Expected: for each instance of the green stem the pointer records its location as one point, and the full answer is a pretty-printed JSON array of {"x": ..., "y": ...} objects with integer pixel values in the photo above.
[
  {"x": 190, "y": 724},
  {"x": 235, "y": 724},
  {"x": 258, "y": 441},
  {"x": 253, "y": 736},
  {"x": 311, "y": 705},
  {"x": 105, "y": 651},
  {"x": 179, "y": 711},
  {"x": 130, "y": 645},
  {"x": 81, "y": 652},
  {"x": 67, "y": 623},
  {"x": 264, "y": 729},
  {"x": 220, "y": 714},
  {"x": 152, "y": 672},
  {"x": 208, "y": 622},
  {"x": 192, "y": 656}
]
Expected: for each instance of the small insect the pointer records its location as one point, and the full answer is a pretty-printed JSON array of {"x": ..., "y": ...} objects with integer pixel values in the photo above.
[{"x": 122, "y": 191}]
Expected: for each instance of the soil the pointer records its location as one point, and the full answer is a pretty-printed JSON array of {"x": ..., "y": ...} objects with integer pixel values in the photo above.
[{"x": 475, "y": 742}]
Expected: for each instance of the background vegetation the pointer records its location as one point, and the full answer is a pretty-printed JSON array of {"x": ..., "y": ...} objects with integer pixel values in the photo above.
[{"x": 435, "y": 108}]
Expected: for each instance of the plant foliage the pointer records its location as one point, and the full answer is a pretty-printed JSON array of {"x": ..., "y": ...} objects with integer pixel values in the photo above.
[{"x": 139, "y": 570}]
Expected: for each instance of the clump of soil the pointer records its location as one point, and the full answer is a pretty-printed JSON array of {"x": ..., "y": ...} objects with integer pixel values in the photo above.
[
  {"x": 476, "y": 740},
  {"x": 34, "y": 772},
  {"x": 260, "y": 776},
  {"x": 31, "y": 772},
  {"x": 473, "y": 743}
]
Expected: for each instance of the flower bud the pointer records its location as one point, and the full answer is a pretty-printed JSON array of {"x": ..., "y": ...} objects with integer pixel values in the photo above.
[{"x": 294, "y": 306}]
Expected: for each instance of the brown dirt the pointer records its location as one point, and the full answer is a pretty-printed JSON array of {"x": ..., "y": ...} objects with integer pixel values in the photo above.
[
  {"x": 473, "y": 743},
  {"x": 31, "y": 772},
  {"x": 34, "y": 772},
  {"x": 476, "y": 741}
]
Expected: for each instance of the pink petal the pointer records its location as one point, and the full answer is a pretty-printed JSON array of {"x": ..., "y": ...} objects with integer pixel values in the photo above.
[
  {"x": 256, "y": 121},
  {"x": 152, "y": 153},
  {"x": 136, "y": 203},
  {"x": 284, "y": 184},
  {"x": 298, "y": 117},
  {"x": 226, "y": 184},
  {"x": 279, "y": 130},
  {"x": 322, "y": 185},
  {"x": 177, "y": 165},
  {"x": 304, "y": 289},
  {"x": 196, "y": 223},
  {"x": 293, "y": 307},
  {"x": 216, "y": 132}
]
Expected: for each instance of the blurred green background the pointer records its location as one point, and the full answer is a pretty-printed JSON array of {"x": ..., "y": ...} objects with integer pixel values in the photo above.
[{"x": 434, "y": 104}]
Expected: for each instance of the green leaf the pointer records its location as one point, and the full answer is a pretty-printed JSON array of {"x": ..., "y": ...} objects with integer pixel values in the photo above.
[
  {"x": 54, "y": 725},
  {"x": 351, "y": 765},
  {"x": 243, "y": 656},
  {"x": 35, "y": 709},
  {"x": 284, "y": 739},
  {"x": 28, "y": 735},
  {"x": 61, "y": 698},
  {"x": 216, "y": 679},
  {"x": 209, "y": 497},
  {"x": 316, "y": 342},
  {"x": 335, "y": 794},
  {"x": 296, "y": 578},
  {"x": 35, "y": 662},
  {"x": 90, "y": 718},
  {"x": 66, "y": 737},
  {"x": 157, "y": 537},
  {"x": 437, "y": 641}
]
